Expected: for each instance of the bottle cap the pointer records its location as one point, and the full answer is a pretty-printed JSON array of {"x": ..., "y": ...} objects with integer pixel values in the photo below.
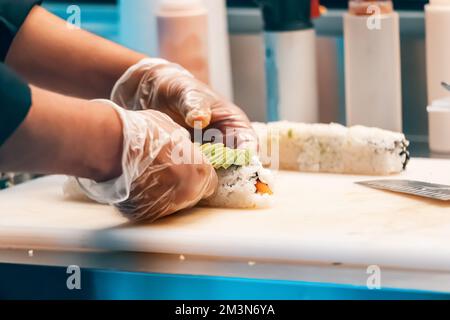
[
  {"x": 440, "y": 2},
  {"x": 286, "y": 15},
  {"x": 315, "y": 9},
  {"x": 368, "y": 7},
  {"x": 180, "y": 5}
]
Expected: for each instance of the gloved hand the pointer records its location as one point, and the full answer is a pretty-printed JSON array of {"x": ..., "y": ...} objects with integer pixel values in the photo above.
[
  {"x": 167, "y": 87},
  {"x": 162, "y": 170}
]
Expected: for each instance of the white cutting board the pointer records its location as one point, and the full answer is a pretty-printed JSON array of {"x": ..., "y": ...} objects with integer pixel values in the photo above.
[{"x": 317, "y": 217}]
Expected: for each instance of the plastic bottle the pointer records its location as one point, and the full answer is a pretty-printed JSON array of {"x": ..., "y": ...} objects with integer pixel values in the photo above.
[
  {"x": 138, "y": 25},
  {"x": 183, "y": 35},
  {"x": 372, "y": 65},
  {"x": 219, "y": 48},
  {"x": 291, "y": 71},
  {"x": 437, "y": 25}
]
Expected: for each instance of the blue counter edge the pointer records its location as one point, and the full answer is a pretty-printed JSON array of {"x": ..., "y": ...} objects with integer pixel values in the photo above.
[{"x": 49, "y": 282}]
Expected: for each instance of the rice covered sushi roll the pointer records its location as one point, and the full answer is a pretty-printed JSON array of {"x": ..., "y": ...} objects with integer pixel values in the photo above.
[
  {"x": 332, "y": 148},
  {"x": 243, "y": 181}
]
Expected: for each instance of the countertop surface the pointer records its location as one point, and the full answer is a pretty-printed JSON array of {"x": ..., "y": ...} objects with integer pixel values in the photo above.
[{"x": 322, "y": 218}]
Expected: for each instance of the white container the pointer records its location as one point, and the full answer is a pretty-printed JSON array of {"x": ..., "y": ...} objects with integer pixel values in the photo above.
[
  {"x": 372, "y": 68},
  {"x": 439, "y": 126},
  {"x": 291, "y": 73},
  {"x": 219, "y": 48},
  {"x": 183, "y": 35},
  {"x": 138, "y": 25},
  {"x": 437, "y": 25}
]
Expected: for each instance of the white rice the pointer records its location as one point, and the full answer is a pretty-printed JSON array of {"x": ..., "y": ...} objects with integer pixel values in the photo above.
[
  {"x": 236, "y": 187},
  {"x": 331, "y": 148}
]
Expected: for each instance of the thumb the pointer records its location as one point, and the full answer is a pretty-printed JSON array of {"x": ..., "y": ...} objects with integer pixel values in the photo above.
[{"x": 196, "y": 108}]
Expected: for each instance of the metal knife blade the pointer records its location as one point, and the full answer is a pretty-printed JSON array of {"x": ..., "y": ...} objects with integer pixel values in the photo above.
[{"x": 417, "y": 188}]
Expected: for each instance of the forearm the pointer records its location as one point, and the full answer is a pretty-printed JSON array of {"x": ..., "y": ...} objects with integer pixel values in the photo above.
[
  {"x": 70, "y": 61},
  {"x": 64, "y": 135}
]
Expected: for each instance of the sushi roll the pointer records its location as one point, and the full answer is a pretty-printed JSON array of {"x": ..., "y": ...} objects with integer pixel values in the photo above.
[
  {"x": 243, "y": 182},
  {"x": 332, "y": 148}
]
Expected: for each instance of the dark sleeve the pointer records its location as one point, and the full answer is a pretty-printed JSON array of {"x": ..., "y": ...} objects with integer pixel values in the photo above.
[
  {"x": 15, "y": 102},
  {"x": 15, "y": 94},
  {"x": 12, "y": 15}
]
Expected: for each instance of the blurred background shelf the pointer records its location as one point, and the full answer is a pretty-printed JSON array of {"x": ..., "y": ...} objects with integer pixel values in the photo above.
[
  {"x": 399, "y": 4},
  {"x": 247, "y": 54}
]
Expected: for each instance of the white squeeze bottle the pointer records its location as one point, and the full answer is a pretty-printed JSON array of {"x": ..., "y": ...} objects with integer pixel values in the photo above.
[
  {"x": 372, "y": 65},
  {"x": 437, "y": 26},
  {"x": 219, "y": 48},
  {"x": 291, "y": 70},
  {"x": 138, "y": 25},
  {"x": 183, "y": 35}
]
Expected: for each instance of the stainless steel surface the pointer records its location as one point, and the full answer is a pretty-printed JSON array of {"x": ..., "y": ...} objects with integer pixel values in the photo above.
[
  {"x": 446, "y": 85},
  {"x": 417, "y": 188}
]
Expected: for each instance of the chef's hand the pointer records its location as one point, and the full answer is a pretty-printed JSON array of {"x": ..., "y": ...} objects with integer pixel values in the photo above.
[
  {"x": 167, "y": 87},
  {"x": 162, "y": 170}
]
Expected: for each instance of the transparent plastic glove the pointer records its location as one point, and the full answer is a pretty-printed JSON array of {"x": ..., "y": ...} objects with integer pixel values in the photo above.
[
  {"x": 167, "y": 87},
  {"x": 162, "y": 170}
]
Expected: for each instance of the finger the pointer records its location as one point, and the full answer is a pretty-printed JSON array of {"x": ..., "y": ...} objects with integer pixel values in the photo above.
[
  {"x": 198, "y": 119},
  {"x": 196, "y": 108},
  {"x": 212, "y": 182}
]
